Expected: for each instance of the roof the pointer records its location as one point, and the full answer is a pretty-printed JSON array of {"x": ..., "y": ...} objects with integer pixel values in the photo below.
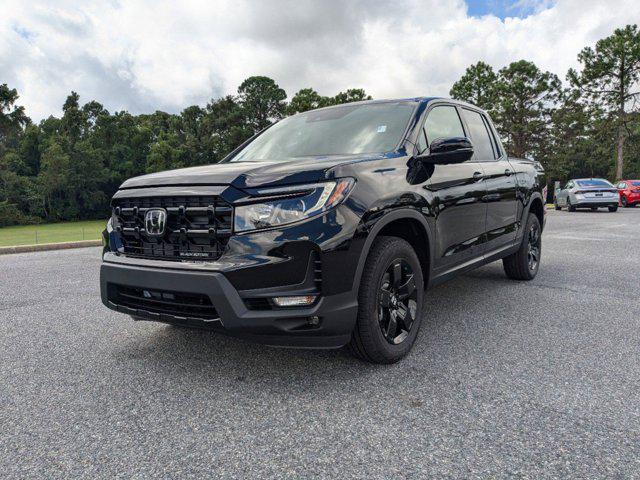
[{"x": 409, "y": 99}]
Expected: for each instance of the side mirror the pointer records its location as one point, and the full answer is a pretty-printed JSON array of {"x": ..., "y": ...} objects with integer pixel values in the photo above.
[{"x": 444, "y": 151}]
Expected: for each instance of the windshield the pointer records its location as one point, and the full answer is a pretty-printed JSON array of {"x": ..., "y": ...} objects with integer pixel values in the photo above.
[
  {"x": 344, "y": 130},
  {"x": 593, "y": 183}
]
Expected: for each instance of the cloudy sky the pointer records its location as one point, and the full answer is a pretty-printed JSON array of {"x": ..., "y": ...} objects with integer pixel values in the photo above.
[{"x": 147, "y": 55}]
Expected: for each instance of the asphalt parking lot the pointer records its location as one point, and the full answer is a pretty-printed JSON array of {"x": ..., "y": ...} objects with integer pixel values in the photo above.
[{"x": 538, "y": 379}]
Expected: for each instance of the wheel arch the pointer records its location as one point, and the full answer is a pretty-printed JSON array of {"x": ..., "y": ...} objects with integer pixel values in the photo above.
[
  {"x": 536, "y": 206},
  {"x": 407, "y": 224}
]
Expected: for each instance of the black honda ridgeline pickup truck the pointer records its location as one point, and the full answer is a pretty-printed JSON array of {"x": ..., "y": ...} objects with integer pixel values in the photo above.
[{"x": 325, "y": 229}]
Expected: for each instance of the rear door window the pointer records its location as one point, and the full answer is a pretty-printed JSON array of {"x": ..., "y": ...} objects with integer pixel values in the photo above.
[
  {"x": 483, "y": 149},
  {"x": 494, "y": 139}
]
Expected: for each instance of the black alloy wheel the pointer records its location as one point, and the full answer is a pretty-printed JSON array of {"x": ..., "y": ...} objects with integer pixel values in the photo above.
[
  {"x": 533, "y": 247},
  {"x": 525, "y": 263},
  {"x": 390, "y": 302},
  {"x": 397, "y": 301}
]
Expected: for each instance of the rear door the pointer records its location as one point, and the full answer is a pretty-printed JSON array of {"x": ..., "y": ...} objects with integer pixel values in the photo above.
[
  {"x": 500, "y": 180},
  {"x": 458, "y": 191}
]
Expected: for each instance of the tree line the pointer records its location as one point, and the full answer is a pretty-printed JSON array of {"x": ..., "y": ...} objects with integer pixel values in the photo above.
[
  {"x": 67, "y": 168},
  {"x": 589, "y": 126}
]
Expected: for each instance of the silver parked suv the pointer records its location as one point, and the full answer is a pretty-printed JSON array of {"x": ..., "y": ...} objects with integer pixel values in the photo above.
[{"x": 587, "y": 193}]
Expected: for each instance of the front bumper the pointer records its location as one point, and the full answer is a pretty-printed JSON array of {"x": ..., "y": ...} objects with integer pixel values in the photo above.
[{"x": 292, "y": 327}]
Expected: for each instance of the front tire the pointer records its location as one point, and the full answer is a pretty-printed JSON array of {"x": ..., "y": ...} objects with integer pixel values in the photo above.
[
  {"x": 557, "y": 207},
  {"x": 570, "y": 207},
  {"x": 624, "y": 202},
  {"x": 390, "y": 301},
  {"x": 524, "y": 264}
]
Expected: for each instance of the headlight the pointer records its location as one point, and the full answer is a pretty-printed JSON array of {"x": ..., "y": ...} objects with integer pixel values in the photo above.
[
  {"x": 106, "y": 233},
  {"x": 303, "y": 201}
]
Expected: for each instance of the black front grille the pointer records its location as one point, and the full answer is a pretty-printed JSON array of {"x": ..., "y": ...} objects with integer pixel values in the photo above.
[
  {"x": 175, "y": 304},
  {"x": 197, "y": 227},
  {"x": 317, "y": 271}
]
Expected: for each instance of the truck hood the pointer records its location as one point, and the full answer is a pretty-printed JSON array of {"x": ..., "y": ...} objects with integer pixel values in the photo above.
[{"x": 249, "y": 174}]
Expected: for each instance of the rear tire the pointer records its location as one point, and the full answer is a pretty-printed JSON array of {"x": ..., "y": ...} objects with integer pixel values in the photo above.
[
  {"x": 594, "y": 209},
  {"x": 524, "y": 264},
  {"x": 390, "y": 300},
  {"x": 613, "y": 209},
  {"x": 557, "y": 207}
]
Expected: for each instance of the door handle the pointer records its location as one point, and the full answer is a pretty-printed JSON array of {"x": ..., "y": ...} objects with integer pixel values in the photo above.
[
  {"x": 508, "y": 172},
  {"x": 477, "y": 176}
]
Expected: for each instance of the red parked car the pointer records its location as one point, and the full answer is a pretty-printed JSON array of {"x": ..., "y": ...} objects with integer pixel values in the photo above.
[{"x": 629, "y": 191}]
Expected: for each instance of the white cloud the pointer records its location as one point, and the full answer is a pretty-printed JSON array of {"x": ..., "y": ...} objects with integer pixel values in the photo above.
[{"x": 149, "y": 55}]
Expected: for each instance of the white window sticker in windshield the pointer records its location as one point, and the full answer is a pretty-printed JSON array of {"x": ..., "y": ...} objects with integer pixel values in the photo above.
[{"x": 382, "y": 128}]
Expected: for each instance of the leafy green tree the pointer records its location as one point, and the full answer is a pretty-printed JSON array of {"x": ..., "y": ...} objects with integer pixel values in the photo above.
[
  {"x": 307, "y": 99},
  {"x": 350, "y": 95},
  {"x": 526, "y": 97},
  {"x": 12, "y": 118},
  {"x": 574, "y": 147},
  {"x": 165, "y": 154},
  {"x": 477, "y": 86},
  {"x": 86, "y": 179},
  {"x": 262, "y": 100},
  {"x": 632, "y": 150},
  {"x": 20, "y": 199},
  {"x": 73, "y": 120},
  {"x": 53, "y": 179},
  {"x": 224, "y": 127},
  {"x": 15, "y": 163},
  {"x": 29, "y": 149},
  {"x": 610, "y": 77}
]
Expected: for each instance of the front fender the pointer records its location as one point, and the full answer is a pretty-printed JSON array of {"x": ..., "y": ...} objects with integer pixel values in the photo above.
[{"x": 374, "y": 230}]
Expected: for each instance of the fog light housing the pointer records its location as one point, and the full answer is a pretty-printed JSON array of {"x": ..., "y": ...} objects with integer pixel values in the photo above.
[{"x": 298, "y": 301}]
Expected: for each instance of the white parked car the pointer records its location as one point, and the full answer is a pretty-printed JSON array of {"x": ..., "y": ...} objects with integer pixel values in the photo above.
[{"x": 590, "y": 193}]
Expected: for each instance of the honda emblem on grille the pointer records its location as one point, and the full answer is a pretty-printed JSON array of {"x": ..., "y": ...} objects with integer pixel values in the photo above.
[{"x": 155, "y": 221}]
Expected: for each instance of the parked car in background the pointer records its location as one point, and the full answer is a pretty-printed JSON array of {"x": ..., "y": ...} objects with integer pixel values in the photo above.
[
  {"x": 590, "y": 193},
  {"x": 629, "y": 191}
]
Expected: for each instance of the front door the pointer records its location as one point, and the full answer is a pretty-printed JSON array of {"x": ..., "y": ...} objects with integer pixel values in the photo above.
[
  {"x": 458, "y": 191},
  {"x": 500, "y": 180}
]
